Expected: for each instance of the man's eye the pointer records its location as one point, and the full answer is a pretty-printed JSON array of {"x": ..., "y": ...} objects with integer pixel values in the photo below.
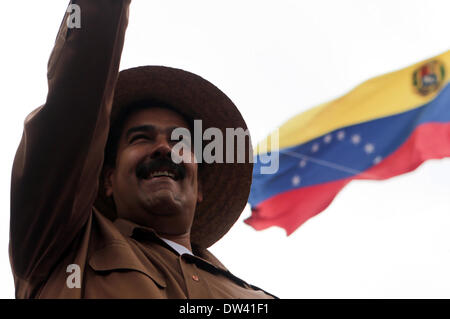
[{"x": 138, "y": 137}]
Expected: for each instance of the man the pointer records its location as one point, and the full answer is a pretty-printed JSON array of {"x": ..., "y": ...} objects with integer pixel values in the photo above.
[{"x": 144, "y": 229}]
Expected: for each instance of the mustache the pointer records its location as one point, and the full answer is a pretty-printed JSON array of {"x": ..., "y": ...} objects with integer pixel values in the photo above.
[{"x": 144, "y": 169}]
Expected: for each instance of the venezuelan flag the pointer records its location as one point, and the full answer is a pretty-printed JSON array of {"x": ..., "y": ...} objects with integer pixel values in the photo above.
[{"x": 384, "y": 127}]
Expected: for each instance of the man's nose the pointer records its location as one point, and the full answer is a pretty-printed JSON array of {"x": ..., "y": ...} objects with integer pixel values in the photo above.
[{"x": 162, "y": 148}]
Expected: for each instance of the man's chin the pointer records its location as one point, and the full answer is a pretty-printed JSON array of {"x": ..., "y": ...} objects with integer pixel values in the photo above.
[{"x": 161, "y": 202}]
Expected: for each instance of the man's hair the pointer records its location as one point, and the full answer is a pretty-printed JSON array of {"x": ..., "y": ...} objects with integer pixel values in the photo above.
[{"x": 117, "y": 125}]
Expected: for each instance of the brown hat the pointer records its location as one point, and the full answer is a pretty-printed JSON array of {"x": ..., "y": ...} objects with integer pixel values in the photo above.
[{"x": 225, "y": 186}]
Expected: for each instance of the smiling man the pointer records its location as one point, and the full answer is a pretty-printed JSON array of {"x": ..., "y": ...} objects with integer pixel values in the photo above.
[
  {"x": 148, "y": 187},
  {"x": 101, "y": 204}
]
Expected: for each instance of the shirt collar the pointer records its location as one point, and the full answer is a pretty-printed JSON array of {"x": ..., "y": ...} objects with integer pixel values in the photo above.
[{"x": 180, "y": 249}]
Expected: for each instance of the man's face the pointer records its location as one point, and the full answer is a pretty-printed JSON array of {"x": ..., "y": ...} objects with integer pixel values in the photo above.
[{"x": 148, "y": 187}]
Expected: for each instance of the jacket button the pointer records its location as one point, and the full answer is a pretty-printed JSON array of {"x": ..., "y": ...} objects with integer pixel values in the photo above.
[{"x": 195, "y": 277}]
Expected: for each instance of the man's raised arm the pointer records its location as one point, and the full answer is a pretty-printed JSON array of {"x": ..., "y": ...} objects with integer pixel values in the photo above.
[{"x": 58, "y": 162}]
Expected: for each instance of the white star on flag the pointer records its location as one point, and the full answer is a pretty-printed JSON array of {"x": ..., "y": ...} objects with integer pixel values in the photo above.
[
  {"x": 377, "y": 159},
  {"x": 296, "y": 180},
  {"x": 340, "y": 135},
  {"x": 356, "y": 139},
  {"x": 302, "y": 163},
  {"x": 369, "y": 148},
  {"x": 315, "y": 147}
]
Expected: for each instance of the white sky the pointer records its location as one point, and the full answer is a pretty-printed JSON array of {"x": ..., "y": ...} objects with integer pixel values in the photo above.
[{"x": 274, "y": 59}]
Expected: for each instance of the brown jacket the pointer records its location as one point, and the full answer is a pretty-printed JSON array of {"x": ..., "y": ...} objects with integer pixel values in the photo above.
[{"x": 55, "y": 182}]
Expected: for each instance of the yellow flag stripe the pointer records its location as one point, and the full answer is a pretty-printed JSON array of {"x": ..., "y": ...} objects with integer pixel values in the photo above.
[{"x": 382, "y": 96}]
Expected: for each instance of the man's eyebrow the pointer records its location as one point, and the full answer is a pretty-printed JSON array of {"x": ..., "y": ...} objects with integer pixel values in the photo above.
[
  {"x": 149, "y": 128},
  {"x": 140, "y": 128}
]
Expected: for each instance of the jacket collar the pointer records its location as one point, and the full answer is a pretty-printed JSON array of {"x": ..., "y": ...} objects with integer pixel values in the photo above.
[{"x": 130, "y": 229}]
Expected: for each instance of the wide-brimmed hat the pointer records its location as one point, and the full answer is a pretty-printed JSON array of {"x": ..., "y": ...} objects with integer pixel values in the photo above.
[{"x": 225, "y": 186}]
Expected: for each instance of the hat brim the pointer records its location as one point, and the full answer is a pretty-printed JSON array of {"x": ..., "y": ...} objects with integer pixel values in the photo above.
[{"x": 225, "y": 186}]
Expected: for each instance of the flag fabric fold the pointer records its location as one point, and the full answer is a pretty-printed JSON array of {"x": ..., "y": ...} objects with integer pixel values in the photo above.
[{"x": 386, "y": 126}]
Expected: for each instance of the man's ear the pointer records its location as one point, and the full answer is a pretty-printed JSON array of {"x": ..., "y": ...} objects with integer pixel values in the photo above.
[
  {"x": 107, "y": 180},
  {"x": 199, "y": 191}
]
